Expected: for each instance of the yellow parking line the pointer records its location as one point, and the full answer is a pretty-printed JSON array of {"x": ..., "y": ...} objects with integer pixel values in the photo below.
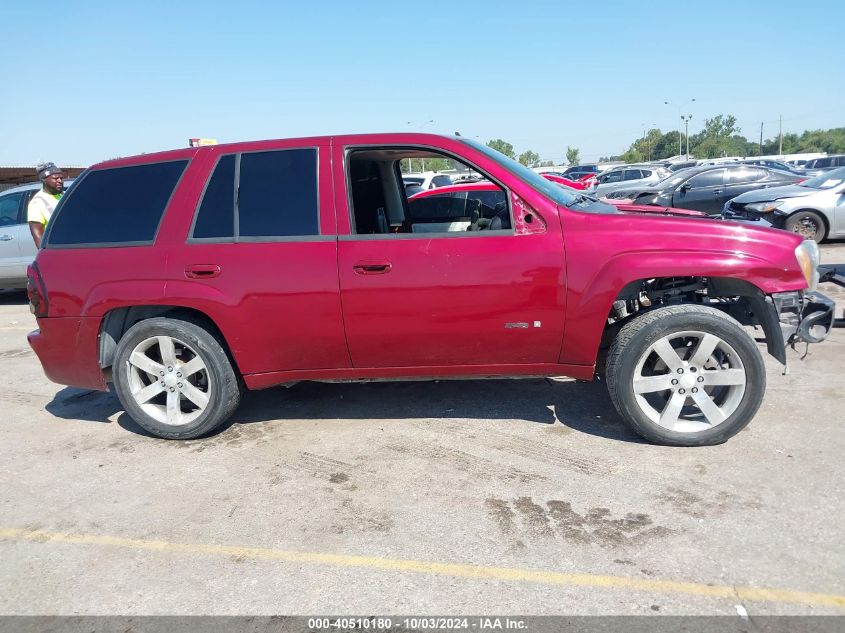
[{"x": 455, "y": 570}]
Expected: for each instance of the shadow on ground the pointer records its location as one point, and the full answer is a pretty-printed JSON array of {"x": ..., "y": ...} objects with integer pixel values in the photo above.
[{"x": 584, "y": 407}]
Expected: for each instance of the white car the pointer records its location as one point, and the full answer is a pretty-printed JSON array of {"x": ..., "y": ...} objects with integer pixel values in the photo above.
[
  {"x": 627, "y": 176},
  {"x": 17, "y": 249},
  {"x": 427, "y": 180}
]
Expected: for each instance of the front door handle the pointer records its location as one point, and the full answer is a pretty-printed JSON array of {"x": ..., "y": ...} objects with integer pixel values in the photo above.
[
  {"x": 6, "y": 238},
  {"x": 202, "y": 271},
  {"x": 717, "y": 191},
  {"x": 372, "y": 268}
]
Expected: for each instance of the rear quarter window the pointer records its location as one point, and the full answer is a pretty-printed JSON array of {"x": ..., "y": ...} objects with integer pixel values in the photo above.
[{"x": 122, "y": 205}]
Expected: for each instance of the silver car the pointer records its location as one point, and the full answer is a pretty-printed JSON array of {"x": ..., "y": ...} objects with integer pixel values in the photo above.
[
  {"x": 814, "y": 208},
  {"x": 17, "y": 249},
  {"x": 627, "y": 176}
]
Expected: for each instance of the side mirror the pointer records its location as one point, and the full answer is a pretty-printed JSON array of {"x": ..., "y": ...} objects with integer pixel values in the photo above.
[{"x": 685, "y": 187}]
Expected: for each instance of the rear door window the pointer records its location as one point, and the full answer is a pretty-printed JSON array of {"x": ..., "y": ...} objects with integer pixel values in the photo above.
[
  {"x": 710, "y": 178},
  {"x": 260, "y": 196},
  {"x": 745, "y": 175},
  {"x": 121, "y": 205},
  {"x": 277, "y": 194},
  {"x": 632, "y": 174}
]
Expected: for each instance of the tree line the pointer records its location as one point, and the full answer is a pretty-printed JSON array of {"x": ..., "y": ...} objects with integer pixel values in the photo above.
[{"x": 721, "y": 136}]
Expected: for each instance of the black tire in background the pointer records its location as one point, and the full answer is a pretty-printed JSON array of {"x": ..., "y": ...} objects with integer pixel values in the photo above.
[
  {"x": 224, "y": 387},
  {"x": 807, "y": 223},
  {"x": 638, "y": 335}
]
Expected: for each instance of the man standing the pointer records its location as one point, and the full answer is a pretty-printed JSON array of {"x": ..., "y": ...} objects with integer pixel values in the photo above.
[{"x": 43, "y": 203}]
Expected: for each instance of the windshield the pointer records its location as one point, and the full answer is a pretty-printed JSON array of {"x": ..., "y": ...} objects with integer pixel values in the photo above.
[
  {"x": 551, "y": 190},
  {"x": 827, "y": 180}
]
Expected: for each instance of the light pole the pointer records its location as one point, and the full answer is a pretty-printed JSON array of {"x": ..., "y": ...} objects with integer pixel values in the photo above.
[
  {"x": 679, "y": 105},
  {"x": 647, "y": 137},
  {"x": 686, "y": 120},
  {"x": 419, "y": 127}
]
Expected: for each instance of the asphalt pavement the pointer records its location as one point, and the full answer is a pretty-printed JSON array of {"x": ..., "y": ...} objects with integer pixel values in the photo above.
[{"x": 503, "y": 496}]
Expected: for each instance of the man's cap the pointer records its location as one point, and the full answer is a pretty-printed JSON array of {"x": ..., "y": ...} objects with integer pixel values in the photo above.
[{"x": 45, "y": 170}]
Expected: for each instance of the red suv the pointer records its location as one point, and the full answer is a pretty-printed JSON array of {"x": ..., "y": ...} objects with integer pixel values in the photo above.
[{"x": 185, "y": 276}]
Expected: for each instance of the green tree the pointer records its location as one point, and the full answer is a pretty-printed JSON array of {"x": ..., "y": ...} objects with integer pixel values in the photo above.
[
  {"x": 720, "y": 137},
  {"x": 529, "y": 158},
  {"x": 502, "y": 146},
  {"x": 417, "y": 165},
  {"x": 546, "y": 163},
  {"x": 572, "y": 155}
]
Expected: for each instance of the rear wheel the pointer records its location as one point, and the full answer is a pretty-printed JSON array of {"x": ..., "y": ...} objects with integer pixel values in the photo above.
[
  {"x": 685, "y": 375},
  {"x": 174, "y": 378},
  {"x": 808, "y": 224}
]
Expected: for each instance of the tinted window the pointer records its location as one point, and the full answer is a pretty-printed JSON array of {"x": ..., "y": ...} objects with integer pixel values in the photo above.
[
  {"x": 444, "y": 207},
  {"x": 277, "y": 194},
  {"x": 488, "y": 198},
  {"x": 840, "y": 161},
  {"x": 111, "y": 206},
  {"x": 707, "y": 179},
  {"x": 216, "y": 216},
  {"x": 9, "y": 207},
  {"x": 746, "y": 174},
  {"x": 441, "y": 181},
  {"x": 614, "y": 176},
  {"x": 632, "y": 174}
]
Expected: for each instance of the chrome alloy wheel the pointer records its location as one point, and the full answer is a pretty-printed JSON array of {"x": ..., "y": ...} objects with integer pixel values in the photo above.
[
  {"x": 169, "y": 380},
  {"x": 689, "y": 381}
]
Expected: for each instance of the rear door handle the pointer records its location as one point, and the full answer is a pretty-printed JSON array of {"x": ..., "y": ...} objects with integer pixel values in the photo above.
[
  {"x": 202, "y": 271},
  {"x": 6, "y": 238},
  {"x": 717, "y": 191},
  {"x": 372, "y": 268}
]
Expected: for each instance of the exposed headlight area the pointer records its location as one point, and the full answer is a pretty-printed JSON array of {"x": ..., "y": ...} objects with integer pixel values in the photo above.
[
  {"x": 807, "y": 254},
  {"x": 764, "y": 207}
]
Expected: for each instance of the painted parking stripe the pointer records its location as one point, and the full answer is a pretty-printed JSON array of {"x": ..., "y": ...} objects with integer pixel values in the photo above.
[{"x": 455, "y": 570}]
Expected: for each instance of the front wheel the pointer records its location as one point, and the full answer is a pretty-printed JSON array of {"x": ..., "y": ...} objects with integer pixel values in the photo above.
[
  {"x": 685, "y": 375},
  {"x": 807, "y": 224},
  {"x": 174, "y": 378}
]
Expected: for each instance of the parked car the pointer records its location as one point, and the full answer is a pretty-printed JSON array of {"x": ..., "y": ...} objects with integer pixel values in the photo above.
[
  {"x": 17, "y": 248},
  {"x": 682, "y": 165},
  {"x": 184, "y": 293},
  {"x": 626, "y": 177},
  {"x": 813, "y": 208},
  {"x": 490, "y": 195},
  {"x": 427, "y": 180},
  {"x": 825, "y": 163},
  {"x": 577, "y": 171},
  {"x": 706, "y": 188},
  {"x": 775, "y": 164},
  {"x": 566, "y": 182}
]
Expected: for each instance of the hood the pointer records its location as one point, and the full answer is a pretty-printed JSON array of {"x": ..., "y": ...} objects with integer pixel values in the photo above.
[{"x": 774, "y": 193}]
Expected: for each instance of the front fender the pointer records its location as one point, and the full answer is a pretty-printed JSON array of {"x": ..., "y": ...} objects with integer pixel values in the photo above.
[{"x": 590, "y": 297}]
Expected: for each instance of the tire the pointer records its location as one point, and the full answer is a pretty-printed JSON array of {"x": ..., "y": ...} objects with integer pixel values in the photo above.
[
  {"x": 809, "y": 224},
  {"x": 187, "y": 397},
  {"x": 663, "y": 393}
]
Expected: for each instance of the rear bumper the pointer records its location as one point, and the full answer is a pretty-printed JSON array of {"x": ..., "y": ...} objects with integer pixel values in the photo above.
[{"x": 68, "y": 351}]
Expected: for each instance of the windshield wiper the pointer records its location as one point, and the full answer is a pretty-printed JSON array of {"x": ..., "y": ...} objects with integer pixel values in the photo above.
[{"x": 580, "y": 198}]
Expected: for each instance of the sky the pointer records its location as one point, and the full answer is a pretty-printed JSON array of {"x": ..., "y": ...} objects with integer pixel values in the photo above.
[{"x": 88, "y": 81}]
